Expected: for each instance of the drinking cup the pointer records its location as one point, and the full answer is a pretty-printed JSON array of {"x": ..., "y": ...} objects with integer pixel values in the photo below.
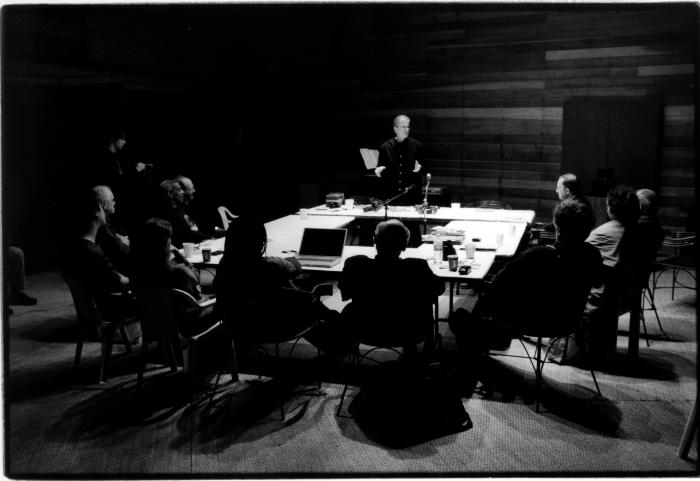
[
  {"x": 470, "y": 249},
  {"x": 206, "y": 253},
  {"x": 188, "y": 247},
  {"x": 452, "y": 262},
  {"x": 455, "y": 205},
  {"x": 349, "y": 204},
  {"x": 499, "y": 239},
  {"x": 304, "y": 213}
]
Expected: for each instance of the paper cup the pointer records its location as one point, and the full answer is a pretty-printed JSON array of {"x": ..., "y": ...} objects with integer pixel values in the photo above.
[
  {"x": 188, "y": 247},
  {"x": 470, "y": 249},
  {"x": 349, "y": 204},
  {"x": 304, "y": 213},
  {"x": 455, "y": 205},
  {"x": 499, "y": 239}
]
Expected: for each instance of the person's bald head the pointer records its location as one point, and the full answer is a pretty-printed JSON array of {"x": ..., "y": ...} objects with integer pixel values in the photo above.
[
  {"x": 648, "y": 202},
  {"x": 105, "y": 197},
  {"x": 187, "y": 187}
]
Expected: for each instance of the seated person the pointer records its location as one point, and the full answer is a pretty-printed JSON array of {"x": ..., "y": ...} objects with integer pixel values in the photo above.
[
  {"x": 543, "y": 286},
  {"x": 84, "y": 259},
  {"x": 188, "y": 191},
  {"x": 616, "y": 238},
  {"x": 648, "y": 227},
  {"x": 184, "y": 229},
  {"x": 245, "y": 283},
  {"x": 156, "y": 264},
  {"x": 114, "y": 245},
  {"x": 390, "y": 295}
]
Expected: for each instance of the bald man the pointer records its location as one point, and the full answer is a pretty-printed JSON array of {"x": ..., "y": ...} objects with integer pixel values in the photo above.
[
  {"x": 114, "y": 245},
  {"x": 401, "y": 163}
]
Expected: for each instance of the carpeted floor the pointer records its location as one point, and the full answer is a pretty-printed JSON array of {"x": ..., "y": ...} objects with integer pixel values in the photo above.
[{"x": 61, "y": 423}]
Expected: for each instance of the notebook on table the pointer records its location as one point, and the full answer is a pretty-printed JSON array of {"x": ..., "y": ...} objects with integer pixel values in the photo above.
[{"x": 322, "y": 247}]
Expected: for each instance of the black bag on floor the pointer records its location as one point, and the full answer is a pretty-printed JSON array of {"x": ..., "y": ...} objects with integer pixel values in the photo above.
[{"x": 400, "y": 408}]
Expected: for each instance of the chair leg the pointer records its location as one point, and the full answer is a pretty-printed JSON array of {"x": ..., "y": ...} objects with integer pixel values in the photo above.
[
  {"x": 644, "y": 323},
  {"x": 673, "y": 282},
  {"x": 142, "y": 361},
  {"x": 688, "y": 433},
  {"x": 78, "y": 352},
  {"x": 107, "y": 341},
  {"x": 538, "y": 373}
]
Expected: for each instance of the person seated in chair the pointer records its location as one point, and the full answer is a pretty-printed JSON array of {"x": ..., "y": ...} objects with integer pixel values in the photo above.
[
  {"x": 85, "y": 260},
  {"x": 544, "y": 287},
  {"x": 617, "y": 240},
  {"x": 648, "y": 227},
  {"x": 246, "y": 284},
  {"x": 156, "y": 264},
  {"x": 114, "y": 245},
  {"x": 390, "y": 296},
  {"x": 184, "y": 229}
]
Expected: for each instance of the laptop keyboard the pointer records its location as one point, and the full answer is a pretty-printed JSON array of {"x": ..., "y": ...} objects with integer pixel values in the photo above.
[{"x": 313, "y": 259}]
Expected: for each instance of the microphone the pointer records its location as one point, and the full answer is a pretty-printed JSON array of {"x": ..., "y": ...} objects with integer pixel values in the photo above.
[{"x": 409, "y": 188}]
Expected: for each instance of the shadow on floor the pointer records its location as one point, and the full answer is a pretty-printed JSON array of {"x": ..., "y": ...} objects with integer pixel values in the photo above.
[
  {"x": 243, "y": 413},
  {"x": 571, "y": 402}
]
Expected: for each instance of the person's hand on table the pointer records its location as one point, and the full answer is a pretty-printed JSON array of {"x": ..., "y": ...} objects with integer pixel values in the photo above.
[
  {"x": 417, "y": 167},
  {"x": 378, "y": 171},
  {"x": 140, "y": 167}
]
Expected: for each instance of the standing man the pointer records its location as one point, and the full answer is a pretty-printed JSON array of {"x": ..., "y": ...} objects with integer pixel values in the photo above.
[{"x": 401, "y": 163}]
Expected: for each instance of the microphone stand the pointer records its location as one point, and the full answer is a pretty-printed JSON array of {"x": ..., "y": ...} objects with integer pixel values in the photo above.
[
  {"x": 425, "y": 204},
  {"x": 389, "y": 201}
]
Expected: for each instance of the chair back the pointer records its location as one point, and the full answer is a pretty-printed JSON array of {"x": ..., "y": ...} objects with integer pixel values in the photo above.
[
  {"x": 84, "y": 301},
  {"x": 157, "y": 313},
  {"x": 277, "y": 316},
  {"x": 226, "y": 216},
  {"x": 396, "y": 323}
]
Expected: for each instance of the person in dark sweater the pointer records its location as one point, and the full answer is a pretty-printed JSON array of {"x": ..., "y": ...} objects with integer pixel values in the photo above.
[
  {"x": 247, "y": 283},
  {"x": 113, "y": 244},
  {"x": 84, "y": 259},
  {"x": 543, "y": 286},
  {"x": 401, "y": 163},
  {"x": 390, "y": 295}
]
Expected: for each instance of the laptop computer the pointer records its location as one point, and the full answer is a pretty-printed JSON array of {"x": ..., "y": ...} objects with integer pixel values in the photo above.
[{"x": 322, "y": 247}]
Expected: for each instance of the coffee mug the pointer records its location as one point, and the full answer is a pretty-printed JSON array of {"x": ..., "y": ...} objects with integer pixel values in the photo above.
[{"x": 206, "y": 254}]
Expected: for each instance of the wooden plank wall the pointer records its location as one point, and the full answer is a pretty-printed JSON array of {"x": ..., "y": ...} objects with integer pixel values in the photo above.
[{"x": 486, "y": 89}]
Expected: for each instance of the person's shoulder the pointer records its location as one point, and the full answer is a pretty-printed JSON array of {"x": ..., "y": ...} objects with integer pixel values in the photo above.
[
  {"x": 388, "y": 144},
  {"x": 358, "y": 259},
  {"x": 413, "y": 141}
]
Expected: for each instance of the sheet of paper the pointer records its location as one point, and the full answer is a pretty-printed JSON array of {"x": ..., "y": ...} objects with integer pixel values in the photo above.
[{"x": 370, "y": 157}]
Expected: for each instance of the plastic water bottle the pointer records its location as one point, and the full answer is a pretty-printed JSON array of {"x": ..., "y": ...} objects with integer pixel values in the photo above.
[{"x": 437, "y": 249}]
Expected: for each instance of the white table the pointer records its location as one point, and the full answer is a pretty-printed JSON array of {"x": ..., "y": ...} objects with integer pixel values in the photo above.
[
  {"x": 487, "y": 233},
  {"x": 443, "y": 213}
]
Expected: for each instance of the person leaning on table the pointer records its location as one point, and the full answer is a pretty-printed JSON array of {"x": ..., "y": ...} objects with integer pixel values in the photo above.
[{"x": 246, "y": 282}]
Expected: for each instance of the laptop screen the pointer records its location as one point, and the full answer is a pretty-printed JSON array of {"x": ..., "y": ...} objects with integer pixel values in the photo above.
[{"x": 322, "y": 242}]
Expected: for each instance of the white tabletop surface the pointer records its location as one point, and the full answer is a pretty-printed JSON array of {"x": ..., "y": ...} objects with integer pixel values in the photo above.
[
  {"x": 284, "y": 238},
  {"x": 443, "y": 213}
]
